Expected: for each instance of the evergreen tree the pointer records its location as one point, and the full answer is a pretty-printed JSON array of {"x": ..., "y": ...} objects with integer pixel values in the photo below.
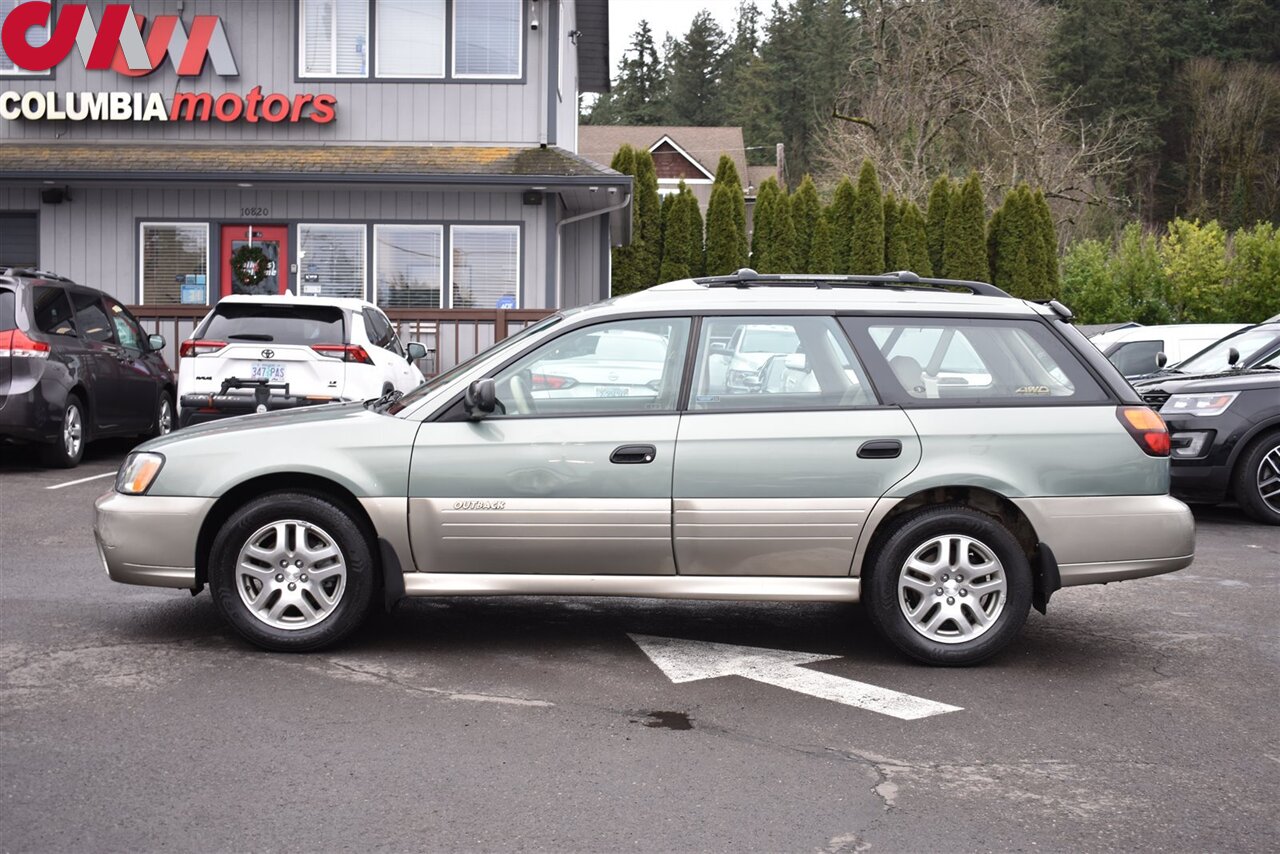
[
  {"x": 637, "y": 93},
  {"x": 866, "y": 255},
  {"x": 676, "y": 248},
  {"x": 773, "y": 236},
  {"x": 727, "y": 174},
  {"x": 695, "y": 66},
  {"x": 822, "y": 252},
  {"x": 624, "y": 276},
  {"x": 693, "y": 221},
  {"x": 936, "y": 220},
  {"x": 1049, "y": 234},
  {"x": 841, "y": 217},
  {"x": 915, "y": 241},
  {"x": 805, "y": 210},
  {"x": 894, "y": 249},
  {"x": 725, "y": 240},
  {"x": 964, "y": 253},
  {"x": 648, "y": 235},
  {"x": 668, "y": 202},
  {"x": 1010, "y": 242}
]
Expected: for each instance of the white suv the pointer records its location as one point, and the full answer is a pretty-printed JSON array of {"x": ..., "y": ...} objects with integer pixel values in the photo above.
[{"x": 260, "y": 353}]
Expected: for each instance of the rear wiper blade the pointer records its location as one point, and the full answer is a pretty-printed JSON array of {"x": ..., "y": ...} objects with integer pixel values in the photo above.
[{"x": 253, "y": 336}]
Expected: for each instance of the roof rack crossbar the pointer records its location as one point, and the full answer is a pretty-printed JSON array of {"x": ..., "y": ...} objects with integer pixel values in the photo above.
[{"x": 748, "y": 278}]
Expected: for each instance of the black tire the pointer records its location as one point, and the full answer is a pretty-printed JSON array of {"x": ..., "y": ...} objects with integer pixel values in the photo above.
[
  {"x": 58, "y": 454},
  {"x": 887, "y": 561},
  {"x": 160, "y": 424},
  {"x": 1254, "y": 468},
  {"x": 332, "y": 520}
]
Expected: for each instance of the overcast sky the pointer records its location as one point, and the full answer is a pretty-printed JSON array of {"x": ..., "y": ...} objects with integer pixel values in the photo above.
[{"x": 664, "y": 16}]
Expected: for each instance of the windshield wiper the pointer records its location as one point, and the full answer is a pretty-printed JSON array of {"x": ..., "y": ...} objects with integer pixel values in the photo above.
[
  {"x": 385, "y": 401},
  {"x": 253, "y": 336}
]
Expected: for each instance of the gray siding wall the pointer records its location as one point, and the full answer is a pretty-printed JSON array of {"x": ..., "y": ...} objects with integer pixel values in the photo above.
[
  {"x": 263, "y": 39},
  {"x": 94, "y": 237},
  {"x": 581, "y": 269}
]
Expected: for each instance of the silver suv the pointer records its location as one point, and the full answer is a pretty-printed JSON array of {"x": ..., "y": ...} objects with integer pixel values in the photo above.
[{"x": 946, "y": 454}]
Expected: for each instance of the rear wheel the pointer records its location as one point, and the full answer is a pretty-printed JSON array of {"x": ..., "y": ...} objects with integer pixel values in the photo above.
[
  {"x": 66, "y": 452},
  {"x": 1257, "y": 479},
  {"x": 948, "y": 585},
  {"x": 292, "y": 572}
]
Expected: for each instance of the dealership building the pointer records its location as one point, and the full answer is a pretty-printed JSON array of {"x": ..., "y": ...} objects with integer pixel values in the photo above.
[{"x": 417, "y": 153}]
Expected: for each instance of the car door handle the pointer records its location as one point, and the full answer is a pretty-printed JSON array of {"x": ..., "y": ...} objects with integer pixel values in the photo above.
[
  {"x": 633, "y": 454},
  {"x": 880, "y": 449}
]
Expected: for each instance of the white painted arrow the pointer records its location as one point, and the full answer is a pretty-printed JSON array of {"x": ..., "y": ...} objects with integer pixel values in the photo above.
[{"x": 688, "y": 661}]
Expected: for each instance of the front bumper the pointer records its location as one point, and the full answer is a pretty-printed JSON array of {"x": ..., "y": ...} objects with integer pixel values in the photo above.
[
  {"x": 1099, "y": 539},
  {"x": 150, "y": 540},
  {"x": 200, "y": 408}
]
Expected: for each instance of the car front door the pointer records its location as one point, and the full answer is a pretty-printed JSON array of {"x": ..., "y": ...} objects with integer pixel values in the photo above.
[
  {"x": 140, "y": 379},
  {"x": 777, "y": 466},
  {"x": 575, "y": 476}
]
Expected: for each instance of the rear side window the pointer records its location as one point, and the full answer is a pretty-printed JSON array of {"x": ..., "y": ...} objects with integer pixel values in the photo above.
[
  {"x": 957, "y": 362},
  {"x": 7, "y": 319},
  {"x": 52, "y": 311},
  {"x": 276, "y": 324},
  {"x": 379, "y": 330},
  {"x": 91, "y": 320}
]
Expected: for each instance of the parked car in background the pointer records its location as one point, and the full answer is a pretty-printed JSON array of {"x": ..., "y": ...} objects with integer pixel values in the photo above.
[
  {"x": 1138, "y": 351},
  {"x": 260, "y": 353},
  {"x": 75, "y": 366},
  {"x": 1223, "y": 411},
  {"x": 948, "y": 509}
]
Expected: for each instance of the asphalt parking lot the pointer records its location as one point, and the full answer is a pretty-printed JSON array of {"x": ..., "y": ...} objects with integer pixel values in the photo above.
[{"x": 1138, "y": 716}]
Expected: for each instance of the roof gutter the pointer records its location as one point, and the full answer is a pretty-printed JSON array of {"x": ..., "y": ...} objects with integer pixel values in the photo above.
[{"x": 570, "y": 220}]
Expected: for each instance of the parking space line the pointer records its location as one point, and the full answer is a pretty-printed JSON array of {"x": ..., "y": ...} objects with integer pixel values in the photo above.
[{"x": 82, "y": 480}]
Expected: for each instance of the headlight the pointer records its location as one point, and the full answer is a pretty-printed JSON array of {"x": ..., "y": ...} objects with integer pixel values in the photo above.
[
  {"x": 1199, "y": 404},
  {"x": 137, "y": 473}
]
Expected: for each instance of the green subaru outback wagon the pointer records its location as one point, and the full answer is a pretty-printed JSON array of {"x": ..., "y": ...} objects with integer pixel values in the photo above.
[{"x": 944, "y": 453}]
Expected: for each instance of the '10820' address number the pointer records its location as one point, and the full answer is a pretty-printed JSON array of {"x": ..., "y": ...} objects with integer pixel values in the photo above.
[{"x": 255, "y": 212}]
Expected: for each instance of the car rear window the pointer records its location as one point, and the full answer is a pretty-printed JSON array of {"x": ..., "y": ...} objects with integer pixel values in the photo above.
[
  {"x": 277, "y": 324},
  {"x": 7, "y": 320}
]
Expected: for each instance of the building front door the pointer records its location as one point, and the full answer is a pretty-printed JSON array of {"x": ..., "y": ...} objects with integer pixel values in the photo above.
[{"x": 254, "y": 258}]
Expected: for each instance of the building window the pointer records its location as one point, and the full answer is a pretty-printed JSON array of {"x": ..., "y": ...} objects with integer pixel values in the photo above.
[
  {"x": 487, "y": 38},
  {"x": 408, "y": 264},
  {"x": 335, "y": 38},
  {"x": 174, "y": 263},
  {"x": 485, "y": 268},
  {"x": 331, "y": 260},
  {"x": 410, "y": 38},
  {"x": 36, "y": 36}
]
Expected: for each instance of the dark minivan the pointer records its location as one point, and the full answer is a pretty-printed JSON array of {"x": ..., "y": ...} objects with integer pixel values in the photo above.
[{"x": 75, "y": 365}]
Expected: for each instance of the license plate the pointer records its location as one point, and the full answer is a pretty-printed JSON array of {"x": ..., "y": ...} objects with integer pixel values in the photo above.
[
  {"x": 612, "y": 391},
  {"x": 266, "y": 371}
]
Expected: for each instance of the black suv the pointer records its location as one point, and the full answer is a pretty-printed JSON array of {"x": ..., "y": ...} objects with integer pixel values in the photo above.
[
  {"x": 75, "y": 365},
  {"x": 1223, "y": 410}
]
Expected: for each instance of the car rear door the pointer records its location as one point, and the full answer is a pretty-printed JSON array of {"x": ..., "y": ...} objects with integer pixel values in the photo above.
[{"x": 776, "y": 472}]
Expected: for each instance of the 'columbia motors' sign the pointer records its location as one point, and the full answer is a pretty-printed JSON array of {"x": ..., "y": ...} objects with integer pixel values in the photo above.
[{"x": 117, "y": 43}]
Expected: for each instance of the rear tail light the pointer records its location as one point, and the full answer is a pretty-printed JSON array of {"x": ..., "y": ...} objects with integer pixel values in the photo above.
[
  {"x": 1147, "y": 429},
  {"x": 345, "y": 352},
  {"x": 551, "y": 381},
  {"x": 19, "y": 346},
  {"x": 199, "y": 348}
]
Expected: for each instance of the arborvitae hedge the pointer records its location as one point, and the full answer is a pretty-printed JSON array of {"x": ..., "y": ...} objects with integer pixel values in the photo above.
[
  {"x": 1048, "y": 233},
  {"x": 697, "y": 251},
  {"x": 725, "y": 252},
  {"x": 914, "y": 240},
  {"x": 841, "y": 215},
  {"x": 624, "y": 279},
  {"x": 822, "y": 252},
  {"x": 805, "y": 210},
  {"x": 964, "y": 253},
  {"x": 676, "y": 233},
  {"x": 648, "y": 254},
  {"x": 772, "y": 236},
  {"x": 936, "y": 220},
  {"x": 894, "y": 249},
  {"x": 866, "y": 254}
]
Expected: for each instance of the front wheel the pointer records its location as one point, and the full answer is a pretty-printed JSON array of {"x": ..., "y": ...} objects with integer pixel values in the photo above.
[
  {"x": 164, "y": 420},
  {"x": 948, "y": 585},
  {"x": 292, "y": 572},
  {"x": 1257, "y": 479}
]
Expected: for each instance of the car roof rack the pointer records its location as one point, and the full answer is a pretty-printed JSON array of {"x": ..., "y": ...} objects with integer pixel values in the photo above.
[
  {"x": 31, "y": 273},
  {"x": 748, "y": 278}
]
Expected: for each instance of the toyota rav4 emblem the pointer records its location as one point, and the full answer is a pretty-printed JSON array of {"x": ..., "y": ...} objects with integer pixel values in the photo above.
[{"x": 267, "y": 354}]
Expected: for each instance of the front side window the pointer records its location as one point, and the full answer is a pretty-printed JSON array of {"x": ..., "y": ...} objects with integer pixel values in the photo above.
[
  {"x": 485, "y": 272},
  {"x": 961, "y": 361},
  {"x": 747, "y": 363},
  {"x": 334, "y": 38},
  {"x": 90, "y": 319},
  {"x": 52, "y": 310},
  {"x": 36, "y": 36},
  {"x": 408, "y": 265},
  {"x": 628, "y": 366},
  {"x": 410, "y": 38},
  {"x": 175, "y": 263},
  {"x": 331, "y": 260},
  {"x": 487, "y": 38},
  {"x": 1136, "y": 357},
  {"x": 128, "y": 332}
]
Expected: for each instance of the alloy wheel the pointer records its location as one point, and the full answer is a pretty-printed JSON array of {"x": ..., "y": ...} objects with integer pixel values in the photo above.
[
  {"x": 164, "y": 419},
  {"x": 72, "y": 432},
  {"x": 291, "y": 574},
  {"x": 1268, "y": 478},
  {"x": 952, "y": 589}
]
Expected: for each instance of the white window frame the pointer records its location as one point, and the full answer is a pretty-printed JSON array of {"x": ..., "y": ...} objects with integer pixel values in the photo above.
[
  {"x": 17, "y": 70},
  {"x": 363, "y": 228},
  {"x": 453, "y": 47},
  {"x": 208, "y": 258},
  {"x": 484, "y": 226},
  {"x": 444, "y": 260},
  {"x": 444, "y": 49},
  {"x": 334, "y": 74}
]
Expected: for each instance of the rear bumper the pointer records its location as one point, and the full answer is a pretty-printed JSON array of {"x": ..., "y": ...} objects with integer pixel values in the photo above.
[
  {"x": 200, "y": 408},
  {"x": 34, "y": 415},
  {"x": 1113, "y": 538},
  {"x": 149, "y": 540}
]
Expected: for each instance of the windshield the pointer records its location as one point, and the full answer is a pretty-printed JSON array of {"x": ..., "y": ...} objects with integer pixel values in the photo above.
[
  {"x": 1250, "y": 343},
  {"x": 441, "y": 379}
]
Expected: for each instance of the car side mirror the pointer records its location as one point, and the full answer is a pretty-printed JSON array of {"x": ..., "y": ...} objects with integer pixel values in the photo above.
[
  {"x": 415, "y": 351},
  {"x": 1161, "y": 359},
  {"x": 1233, "y": 356},
  {"x": 155, "y": 342},
  {"x": 481, "y": 399}
]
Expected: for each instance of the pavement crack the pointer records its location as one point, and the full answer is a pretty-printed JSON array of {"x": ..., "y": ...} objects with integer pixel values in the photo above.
[{"x": 368, "y": 673}]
